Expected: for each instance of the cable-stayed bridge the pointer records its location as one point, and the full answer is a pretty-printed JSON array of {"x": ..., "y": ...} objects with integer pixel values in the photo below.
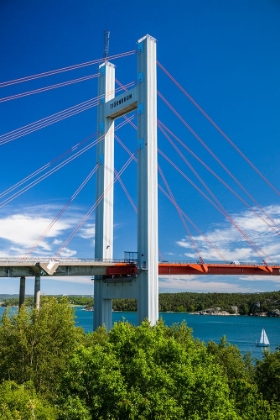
[{"x": 135, "y": 277}]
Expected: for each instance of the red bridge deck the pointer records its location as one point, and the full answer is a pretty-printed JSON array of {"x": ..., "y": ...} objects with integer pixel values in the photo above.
[
  {"x": 168, "y": 268},
  {"x": 218, "y": 269}
]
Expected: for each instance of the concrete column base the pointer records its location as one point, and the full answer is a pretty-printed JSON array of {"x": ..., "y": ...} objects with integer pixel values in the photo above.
[
  {"x": 102, "y": 306},
  {"x": 136, "y": 288},
  {"x": 37, "y": 289},
  {"x": 21, "y": 291}
]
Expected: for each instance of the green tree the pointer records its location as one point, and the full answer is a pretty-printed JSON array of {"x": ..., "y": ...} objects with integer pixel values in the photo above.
[
  {"x": 239, "y": 372},
  {"x": 94, "y": 380},
  {"x": 73, "y": 409},
  {"x": 36, "y": 344},
  {"x": 147, "y": 373},
  {"x": 21, "y": 402},
  {"x": 244, "y": 309},
  {"x": 268, "y": 375},
  {"x": 180, "y": 308},
  {"x": 230, "y": 358}
]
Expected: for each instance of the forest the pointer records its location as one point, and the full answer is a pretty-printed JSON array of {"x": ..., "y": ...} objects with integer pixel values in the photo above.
[
  {"x": 52, "y": 370},
  {"x": 246, "y": 303}
]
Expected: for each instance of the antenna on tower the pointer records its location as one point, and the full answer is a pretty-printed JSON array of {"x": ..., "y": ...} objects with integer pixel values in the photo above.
[{"x": 106, "y": 44}]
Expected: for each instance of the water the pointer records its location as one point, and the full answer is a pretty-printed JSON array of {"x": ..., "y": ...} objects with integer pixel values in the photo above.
[{"x": 242, "y": 331}]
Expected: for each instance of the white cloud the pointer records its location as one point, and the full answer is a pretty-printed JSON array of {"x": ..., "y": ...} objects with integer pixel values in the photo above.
[
  {"x": 234, "y": 246},
  {"x": 19, "y": 232},
  {"x": 273, "y": 279},
  {"x": 24, "y": 230},
  {"x": 199, "y": 284},
  {"x": 67, "y": 279},
  {"x": 88, "y": 231},
  {"x": 67, "y": 253}
]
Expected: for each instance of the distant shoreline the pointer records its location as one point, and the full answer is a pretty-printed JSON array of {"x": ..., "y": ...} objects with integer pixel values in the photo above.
[{"x": 204, "y": 313}]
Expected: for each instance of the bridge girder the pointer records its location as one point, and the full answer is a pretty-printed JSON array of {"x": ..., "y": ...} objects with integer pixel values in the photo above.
[{"x": 116, "y": 271}]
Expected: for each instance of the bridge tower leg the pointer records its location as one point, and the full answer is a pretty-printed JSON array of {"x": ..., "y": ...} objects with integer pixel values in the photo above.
[
  {"x": 147, "y": 182},
  {"x": 104, "y": 188},
  {"x": 21, "y": 291},
  {"x": 37, "y": 286},
  {"x": 143, "y": 98}
]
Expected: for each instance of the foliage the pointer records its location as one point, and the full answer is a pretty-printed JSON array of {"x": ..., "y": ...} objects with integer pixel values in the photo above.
[
  {"x": 192, "y": 302},
  {"x": 21, "y": 402},
  {"x": 183, "y": 302},
  {"x": 125, "y": 305},
  {"x": 240, "y": 376},
  {"x": 268, "y": 375},
  {"x": 29, "y": 300},
  {"x": 49, "y": 369},
  {"x": 35, "y": 345},
  {"x": 80, "y": 300},
  {"x": 148, "y": 373}
]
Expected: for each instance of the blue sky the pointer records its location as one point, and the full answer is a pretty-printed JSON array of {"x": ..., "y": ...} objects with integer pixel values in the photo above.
[{"x": 224, "y": 54}]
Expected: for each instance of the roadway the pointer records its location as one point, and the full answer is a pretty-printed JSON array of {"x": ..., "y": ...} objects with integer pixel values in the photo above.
[{"x": 119, "y": 269}]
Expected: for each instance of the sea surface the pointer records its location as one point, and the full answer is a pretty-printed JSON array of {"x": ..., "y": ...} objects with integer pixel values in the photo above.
[{"x": 242, "y": 331}]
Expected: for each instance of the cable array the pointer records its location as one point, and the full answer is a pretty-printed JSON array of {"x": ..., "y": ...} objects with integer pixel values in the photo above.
[
  {"x": 216, "y": 158},
  {"x": 71, "y": 199},
  {"x": 64, "y": 69},
  {"x": 55, "y": 169},
  {"x": 218, "y": 128},
  {"x": 44, "y": 122},
  {"x": 180, "y": 215},
  {"x": 193, "y": 224},
  {"x": 47, "y": 165},
  {"x": 100, "y": 198},
  {"x": 44, "y": 89},
  {"x": 164, "y": 130},
  {"x": 51, "y": 119},
  {"x": 221, "y": 209}
]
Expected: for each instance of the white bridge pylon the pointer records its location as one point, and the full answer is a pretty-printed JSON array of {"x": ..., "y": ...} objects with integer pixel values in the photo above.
[{"x": 142, "y": 98}]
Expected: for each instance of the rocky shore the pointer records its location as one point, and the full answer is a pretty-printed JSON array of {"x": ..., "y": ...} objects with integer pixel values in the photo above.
[{"x": 216, "y": 311}]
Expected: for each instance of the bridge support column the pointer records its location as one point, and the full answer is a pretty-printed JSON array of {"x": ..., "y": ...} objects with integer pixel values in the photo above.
[
  {"x": 104, "y": 192},
  {"x": 147, "y": 182},
  {"x": 21, "y": 291},
  {"x": 37, "y": 288},
  {"x": 102, "y": 306}
]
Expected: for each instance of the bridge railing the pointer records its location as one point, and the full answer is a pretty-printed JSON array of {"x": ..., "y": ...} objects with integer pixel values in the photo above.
[
  {"x": 129, "y": 260},
  {"x": 209, "y": 262},
  {"x": 60, "y": 260}
]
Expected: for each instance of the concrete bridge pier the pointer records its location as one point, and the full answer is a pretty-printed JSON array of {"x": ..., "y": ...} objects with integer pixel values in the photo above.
[
  {"x": 37, "y": 289},
  {"x": 104, "y": 192},
  {"x": 21, "y": 291},
  {"x": 102, "y": 305}
]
